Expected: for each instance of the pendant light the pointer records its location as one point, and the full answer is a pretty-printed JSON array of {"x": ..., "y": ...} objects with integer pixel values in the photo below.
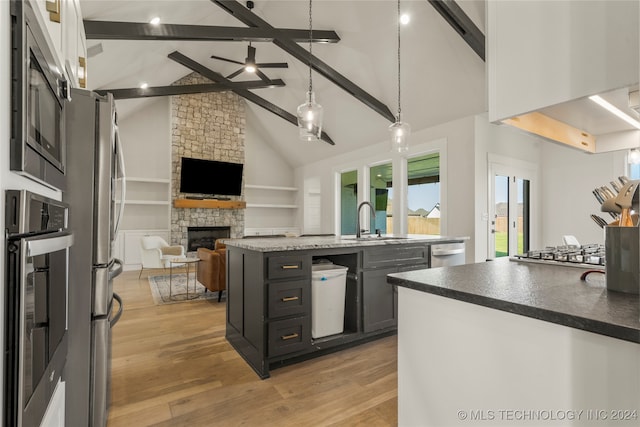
[
  {"x": 310, "y": 113},
  {"x": 400, "y": 131}
]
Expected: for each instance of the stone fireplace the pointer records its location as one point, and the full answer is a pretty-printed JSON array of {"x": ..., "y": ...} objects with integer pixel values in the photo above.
[
  {"x": 205, "y": 237},
  {"x": 206, "y": 126}
]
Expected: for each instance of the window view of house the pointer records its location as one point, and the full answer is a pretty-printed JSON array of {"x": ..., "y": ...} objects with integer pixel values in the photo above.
[
  {"x": 381, "y": 183},
  {"x": 348, "y": 202},
  {"x": 423, "y": 199}
]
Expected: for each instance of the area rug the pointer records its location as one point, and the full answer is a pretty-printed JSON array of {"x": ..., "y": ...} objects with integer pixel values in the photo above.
[{"x": 160, "y": 289}]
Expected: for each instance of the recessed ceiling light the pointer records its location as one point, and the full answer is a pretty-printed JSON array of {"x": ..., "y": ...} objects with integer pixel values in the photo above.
[
  {"x": 144, "y": 85},
  {"x": 615, "y": 110},
  {"x": 155, "y": 20},
  {"x": 405, "y": 18}
]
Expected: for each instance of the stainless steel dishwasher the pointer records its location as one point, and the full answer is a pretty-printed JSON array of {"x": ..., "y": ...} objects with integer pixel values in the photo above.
[{"x": 447, "y": 254}]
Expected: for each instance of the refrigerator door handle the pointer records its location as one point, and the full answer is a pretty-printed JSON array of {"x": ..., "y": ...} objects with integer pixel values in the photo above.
[
  {"x": 113, "y": 273},
  {"x": 115, "y": 319},
  {"x": 123, "y": 180}
]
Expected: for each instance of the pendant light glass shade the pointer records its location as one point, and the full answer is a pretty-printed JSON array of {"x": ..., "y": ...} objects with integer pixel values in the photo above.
[
  {"x": 310, "y": 119},
  {"x": 310, "y": 113},
  {"x": 400, "y": 132}
]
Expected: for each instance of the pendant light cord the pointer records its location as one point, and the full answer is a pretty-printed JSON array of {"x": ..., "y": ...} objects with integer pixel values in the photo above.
[
  {"x": 398, "y": 20},
  {"x": 310, "y": 46}
]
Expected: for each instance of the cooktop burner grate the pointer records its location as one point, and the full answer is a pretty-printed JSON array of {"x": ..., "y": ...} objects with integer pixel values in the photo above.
[{"x": 585, "y": 256}]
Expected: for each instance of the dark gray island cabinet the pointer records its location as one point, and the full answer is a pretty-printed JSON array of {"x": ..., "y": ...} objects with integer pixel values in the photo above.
[{"x": 269, "y": 304}]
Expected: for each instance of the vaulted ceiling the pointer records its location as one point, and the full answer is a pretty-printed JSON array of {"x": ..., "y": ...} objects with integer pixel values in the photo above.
[{"x": 442, "y": 78}]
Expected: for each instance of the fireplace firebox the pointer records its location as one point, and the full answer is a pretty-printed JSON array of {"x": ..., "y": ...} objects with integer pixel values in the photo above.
[{"x": 205, "y": 237}]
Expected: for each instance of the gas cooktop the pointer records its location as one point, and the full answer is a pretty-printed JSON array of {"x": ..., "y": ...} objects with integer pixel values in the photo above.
[{"x": 585, "y": 256}]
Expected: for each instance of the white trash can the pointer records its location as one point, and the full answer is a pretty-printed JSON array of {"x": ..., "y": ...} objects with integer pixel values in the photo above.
[{"x": 328, "y": 284}]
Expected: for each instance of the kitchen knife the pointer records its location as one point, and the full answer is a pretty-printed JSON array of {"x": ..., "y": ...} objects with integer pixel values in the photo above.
[
  {"x": 599, "y": 220},
  {"x": 608, "y": 192},
  {"x": 616, "y": 186},
  {"x": 598, "y": 196},
  {"x": 623, "y": 179}
]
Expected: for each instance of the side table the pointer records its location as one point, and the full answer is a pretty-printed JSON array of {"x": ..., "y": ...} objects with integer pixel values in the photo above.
[{"x": 187, "y": 262}]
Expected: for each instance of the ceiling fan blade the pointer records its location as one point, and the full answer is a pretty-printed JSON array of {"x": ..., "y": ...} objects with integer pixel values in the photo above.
[
  {"x": 236, "y": 73},
  {"x": 228, "y": 60},
  {"x": 272, "y": 65},
  {"x": 262, "y": 76}
]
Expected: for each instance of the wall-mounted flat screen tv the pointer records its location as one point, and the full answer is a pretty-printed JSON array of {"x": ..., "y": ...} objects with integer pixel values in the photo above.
[{"x": 210, "y": 177}]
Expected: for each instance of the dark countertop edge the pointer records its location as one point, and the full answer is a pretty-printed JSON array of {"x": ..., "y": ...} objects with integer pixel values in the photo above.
[
  {"x": 558, "y": 318},
  {"x": 334, "y": 242}
]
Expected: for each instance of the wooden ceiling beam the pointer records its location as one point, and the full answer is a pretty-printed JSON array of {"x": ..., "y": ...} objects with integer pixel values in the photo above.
[
  {"x": 249, "y": 96},
  {"x": 462, "y": 24},
  {"x": 112, "y": 30},
  {"x": 130, "y": 93}
]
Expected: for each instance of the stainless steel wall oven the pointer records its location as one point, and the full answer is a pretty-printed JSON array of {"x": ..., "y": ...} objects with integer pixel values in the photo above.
[
  {"x": 35, "y": 347},
  {"x": 38, "y": 95}
]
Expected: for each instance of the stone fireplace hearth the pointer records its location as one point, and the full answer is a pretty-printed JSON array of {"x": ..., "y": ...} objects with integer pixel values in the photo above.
[
  {"x": 205, "y": 237},
  {"x": 208, "y": 126}
]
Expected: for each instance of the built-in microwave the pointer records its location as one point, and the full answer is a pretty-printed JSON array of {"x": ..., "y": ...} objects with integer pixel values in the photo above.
[{"x": 39, "y": 92}]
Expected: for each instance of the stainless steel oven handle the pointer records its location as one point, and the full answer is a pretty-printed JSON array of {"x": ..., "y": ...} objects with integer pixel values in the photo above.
[
  {"x": 115, "y": 319},
  {"x": 49, "y": 243}
]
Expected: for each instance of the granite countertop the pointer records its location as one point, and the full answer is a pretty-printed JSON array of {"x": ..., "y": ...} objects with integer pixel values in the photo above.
[
  {"x": 545, "y": 292},
  {"x": 277, "y": 244}
]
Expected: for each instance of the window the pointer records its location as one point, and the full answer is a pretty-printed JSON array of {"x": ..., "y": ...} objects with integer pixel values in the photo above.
[
  {"x": 381, "y": 182},
  {"x": 348, "y": 201},
  {"x": 423, "y": 200}
]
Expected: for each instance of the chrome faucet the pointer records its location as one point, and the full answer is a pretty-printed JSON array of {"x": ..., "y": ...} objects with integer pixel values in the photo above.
[{"x": 373, "y": 212}]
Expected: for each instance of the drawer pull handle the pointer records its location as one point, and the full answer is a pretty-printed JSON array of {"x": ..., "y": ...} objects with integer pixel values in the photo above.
[
  {"x": 289, "y": 337},
  {"x": 287, "y": 299},
  {"x": 290, "y": 267}
]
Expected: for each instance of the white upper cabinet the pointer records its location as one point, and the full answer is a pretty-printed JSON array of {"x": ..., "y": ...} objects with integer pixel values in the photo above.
[
  {"x": 65, "y": 31},
  {"x": 542, "y": 53},
  {"x": 75, "y": 54},
  {"x": 548, "y": 57},
  {"x": 51, "y": 21}
]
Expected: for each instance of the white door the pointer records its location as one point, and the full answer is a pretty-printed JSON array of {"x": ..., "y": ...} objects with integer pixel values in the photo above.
[{"x": 510, "y": 209}]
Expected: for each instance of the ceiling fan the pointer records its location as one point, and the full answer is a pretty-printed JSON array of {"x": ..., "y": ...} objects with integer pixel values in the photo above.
[{"x": 251, "y": 66}]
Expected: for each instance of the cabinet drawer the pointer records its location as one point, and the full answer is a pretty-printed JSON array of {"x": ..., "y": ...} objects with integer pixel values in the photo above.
[
  {"x": 287, "y": 298},
  {"x": 395, "y": 255},
  {"x": 284, "y": 267},
  {"x": 289, "y": 336}
]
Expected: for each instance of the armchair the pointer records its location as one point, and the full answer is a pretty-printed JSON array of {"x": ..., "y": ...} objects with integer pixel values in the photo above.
[
  {"x": 212, "y": 268},
  {"x": 156, "y": 253}
]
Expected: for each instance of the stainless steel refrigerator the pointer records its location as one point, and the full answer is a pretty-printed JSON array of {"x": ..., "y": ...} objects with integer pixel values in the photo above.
[{"x": 94, "y": 163}]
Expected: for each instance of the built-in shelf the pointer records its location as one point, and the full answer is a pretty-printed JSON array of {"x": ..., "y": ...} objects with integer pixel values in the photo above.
[
  {"x": 270, "y": 187},
  {"x": 145, "y": 202},
  {"x": 209, "y": 204},
  {"x": 138, "y": 179},
  {"x": 270, "y": 205}
]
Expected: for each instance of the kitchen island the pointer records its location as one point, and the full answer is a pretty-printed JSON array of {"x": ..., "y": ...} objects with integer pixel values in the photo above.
[
  {"x": 509, "y": 343},
  {"x": 269, "y": 305}
]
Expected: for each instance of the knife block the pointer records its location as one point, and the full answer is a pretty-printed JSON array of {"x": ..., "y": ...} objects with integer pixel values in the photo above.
[{"x": 622, "y": 259}]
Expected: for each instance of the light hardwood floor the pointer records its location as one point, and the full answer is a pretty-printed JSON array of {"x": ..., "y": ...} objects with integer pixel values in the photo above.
[{"x": 173, "y": 367}]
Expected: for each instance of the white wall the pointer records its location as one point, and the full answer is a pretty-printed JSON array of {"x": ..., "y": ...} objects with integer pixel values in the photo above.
[
  {"x": 146, "y": 140},
  {"x": 264, "y": 166},
  {"x": 569, "y": 176}
]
